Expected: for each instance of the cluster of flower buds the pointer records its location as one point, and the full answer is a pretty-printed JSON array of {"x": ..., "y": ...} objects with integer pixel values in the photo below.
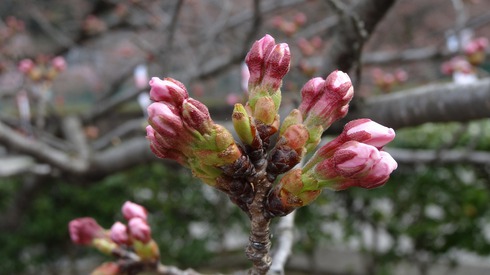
[
  {"x": 289, "y": 27},
  {"x": 457, "y": 64},
  {"x": 386, "y": 81},
  {"x": 43, "y": 68},
  {"x": 354, "y": 158},
  {"x": 268, "y": 63},
  {"x": 475, "y": 51},
  {"x": 131, "y": 242},
  {"x": 181, "y": 129}
]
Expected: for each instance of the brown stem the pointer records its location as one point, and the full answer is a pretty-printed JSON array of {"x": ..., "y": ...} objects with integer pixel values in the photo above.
[{"x": 258, "y": 249}]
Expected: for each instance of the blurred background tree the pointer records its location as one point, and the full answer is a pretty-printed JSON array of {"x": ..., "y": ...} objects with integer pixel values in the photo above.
[{"x": 72, "y": 142}]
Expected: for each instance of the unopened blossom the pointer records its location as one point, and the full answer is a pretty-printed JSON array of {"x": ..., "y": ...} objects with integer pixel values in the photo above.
[
  {"x": 323, "y": 102},
  {"x": 276, "y": 66},
  {"x": 475, "y": 50},
  {"x": 361, "y": 130},
  {"x": 132, "y": 210},
  {"x": 139, "y": 229},
  {"x": 168, "y": 90},
  {"x": 84, "y": 230},
  {"x": 59, "y": 63},
  {"x": 351, "y": 159},
  {"x": 350, "y": 164},
  {"x": 256, "y": 57},
  {"x": 26, "y": 65},
  {"x": 119, "y": 233}
]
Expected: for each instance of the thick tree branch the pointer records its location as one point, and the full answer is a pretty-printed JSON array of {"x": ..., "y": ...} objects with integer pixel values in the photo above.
[
  {"x": 41, "y": 151},
  {"x": 433, "y": 103}
]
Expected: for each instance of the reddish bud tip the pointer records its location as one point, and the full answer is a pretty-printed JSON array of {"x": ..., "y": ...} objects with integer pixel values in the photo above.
[
  {"x": 132, "y": 210},
  {"x": 256, "y": 56},
  {"x": 119, "y": 233},
  {"x": 139, "y": 230},
  {"x": 277, "y": 65},
  {"x": 84, "y": 230},
  {"x": 168, "y": 90}
]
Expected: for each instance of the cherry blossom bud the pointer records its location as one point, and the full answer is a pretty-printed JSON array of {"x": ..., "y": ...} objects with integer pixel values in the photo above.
[
  {"x": 164, "y": 120},
  {"x": 300, "y": 19},
  {"x": 58, "y": 63},
  {"x": 119, "y": 233},
  {"x": 168, "y": 90},
  {"x": 369, "y": 132},
  {"x": 132, "y": 210},
  {"x": 139, "y": 229},
  {"x": 340, "y": 83},
  {"x": 310, "y": 94},
  {"x": 353, "y": 158},
  {"x": 276, "y": 66},
  {"x": 196, "y": 116},
  {"x": 109, "y": 268},
  {"x": 256, "y": 57},
  {"x": 164, "y": 147},
  {"x": 380, "y": 172},
  {"x": 26, "y": 65},
  {"x": 84, "y": 230}
]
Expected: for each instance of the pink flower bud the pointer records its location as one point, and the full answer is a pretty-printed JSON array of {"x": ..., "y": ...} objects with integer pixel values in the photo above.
[
  {"x": 380, "y": 172},
  {"x": 119, "y": 233},
  {"x": 139, "y": 230},
  {"x": 196, "y": 116},
  {"x": 84, "y": 230},
  {"x": 276, "y": 66},
  {"x": 369, "y": 132},
  {"x": 256, "y": 57},
  {"x": 132, "y": 210},
  {"x": 168, "y": 90},
  {"x": 354, "y": 158},
  {"x": 300, "y": 19},
  {"x": 26, "y": 65},
  {"x": 58, "y": 63},
  {"x": 164, "y": 120},
  {"x": 340, "y": 84},
  {"x": 323, "y": 105},
  {"x": 311, "y": 93}
]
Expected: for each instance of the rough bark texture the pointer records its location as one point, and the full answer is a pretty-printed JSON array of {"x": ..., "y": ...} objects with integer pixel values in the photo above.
[{"x": 347, "y": 43}]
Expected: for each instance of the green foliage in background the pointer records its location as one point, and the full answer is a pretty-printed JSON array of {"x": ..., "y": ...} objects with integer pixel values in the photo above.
[{"x": 173, "y": 198}]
